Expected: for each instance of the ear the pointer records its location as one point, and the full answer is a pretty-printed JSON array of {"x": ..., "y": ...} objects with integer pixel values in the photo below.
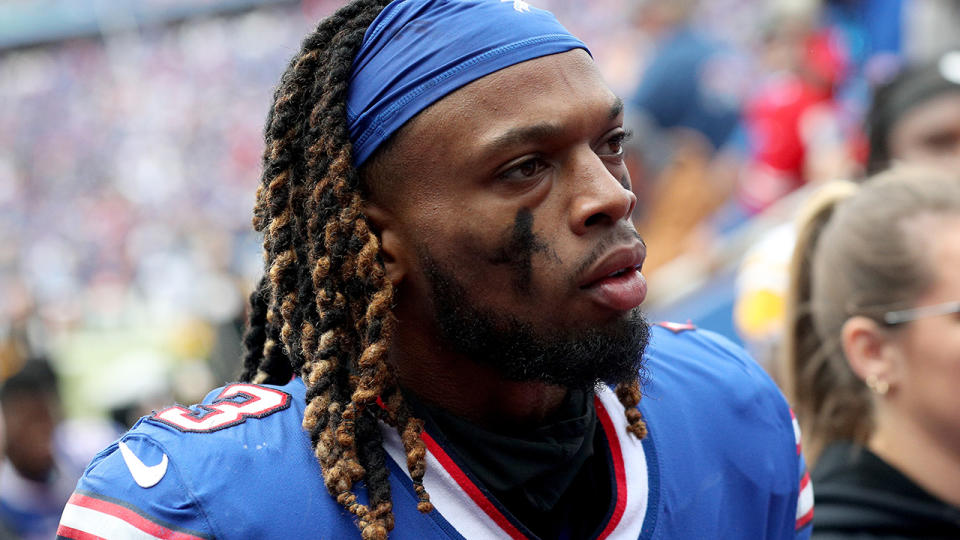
[
  {"x": 392, "y": 246},
  {"x": 870, "y": 349}
]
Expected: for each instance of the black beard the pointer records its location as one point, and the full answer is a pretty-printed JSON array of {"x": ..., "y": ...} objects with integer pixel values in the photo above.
[{"x": 575, "y": 359}]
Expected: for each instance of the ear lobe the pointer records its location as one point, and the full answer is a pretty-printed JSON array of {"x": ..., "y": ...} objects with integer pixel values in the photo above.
[
  {"x": 391, "y": 242},
  {"x": 867, "y": 347}
]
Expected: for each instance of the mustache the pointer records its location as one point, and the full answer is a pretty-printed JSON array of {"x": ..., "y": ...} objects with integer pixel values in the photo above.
[{"x": 622, "y": 235}]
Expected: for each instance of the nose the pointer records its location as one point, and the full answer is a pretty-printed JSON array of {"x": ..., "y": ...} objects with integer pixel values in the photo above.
[{"x": 600, "y": 199}]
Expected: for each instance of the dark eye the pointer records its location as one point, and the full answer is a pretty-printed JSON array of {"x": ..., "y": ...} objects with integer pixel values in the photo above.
[
  {"x": 525, "y": 170},
  {"x": 941, "y": 142},
  {"x": 613, "y": 146}
]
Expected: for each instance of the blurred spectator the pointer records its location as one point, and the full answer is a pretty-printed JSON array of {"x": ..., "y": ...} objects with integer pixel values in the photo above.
[
  {"x": 128, "y": 164},
  {"x": 761, "y": 288},
  {"x": 692, "y": 82},
  {"x": 34, "y": 486},
  {"x": 685, "y": 109},
  {"x": 916, "y": 116},
  {"x": 43, "y": 455},
  {"x": 793, "y": 121},
  {"x": 871, "y": 355}
]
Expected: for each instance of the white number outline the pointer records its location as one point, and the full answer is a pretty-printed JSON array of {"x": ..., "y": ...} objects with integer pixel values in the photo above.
[{"x": 221, "y": 413}]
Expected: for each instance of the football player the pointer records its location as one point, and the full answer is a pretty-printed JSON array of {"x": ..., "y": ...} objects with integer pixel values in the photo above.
[{"x": 447, "y": 339}]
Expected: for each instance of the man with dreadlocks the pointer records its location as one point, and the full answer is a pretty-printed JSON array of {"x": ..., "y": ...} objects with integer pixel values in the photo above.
[{"x": 447, "y": 341}]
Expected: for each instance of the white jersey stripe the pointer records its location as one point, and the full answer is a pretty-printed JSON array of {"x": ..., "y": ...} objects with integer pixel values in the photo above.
[
  {"x": 100, "y": 524},
  {"x": 796, "y": 431},
  {"x": 471, "y": 521},
  {"x": 447, "y": 497},
  {"x": 805, "y": 501},
  {"x": 635, "y": 468}
]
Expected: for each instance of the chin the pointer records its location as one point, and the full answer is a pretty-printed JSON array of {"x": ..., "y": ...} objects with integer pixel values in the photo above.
[{"x": 609, "y": 351}]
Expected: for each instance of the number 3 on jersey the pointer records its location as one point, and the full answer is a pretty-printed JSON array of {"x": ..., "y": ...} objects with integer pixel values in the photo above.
[{"x": 232, "y": 406}]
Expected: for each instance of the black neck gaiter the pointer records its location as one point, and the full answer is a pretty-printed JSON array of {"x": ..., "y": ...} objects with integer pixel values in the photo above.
[{"x": 530, "y": 471}]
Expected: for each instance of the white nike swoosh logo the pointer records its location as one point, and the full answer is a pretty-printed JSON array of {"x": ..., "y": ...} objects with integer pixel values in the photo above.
[{"x": 144, "y": 476}]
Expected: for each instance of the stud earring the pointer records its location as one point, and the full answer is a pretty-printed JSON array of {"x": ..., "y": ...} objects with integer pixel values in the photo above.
[{"x": 877, "y": 385}]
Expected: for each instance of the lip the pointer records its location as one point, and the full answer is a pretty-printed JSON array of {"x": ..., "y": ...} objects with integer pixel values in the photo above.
[
  {"x": 621, "y": 258},
  {"x": 626, "y": 289}
]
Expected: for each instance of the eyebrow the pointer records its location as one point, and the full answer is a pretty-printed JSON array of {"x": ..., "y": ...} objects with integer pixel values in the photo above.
[
  {"x": 520, "y": 135},
  {"x": 616, "y": 108}
]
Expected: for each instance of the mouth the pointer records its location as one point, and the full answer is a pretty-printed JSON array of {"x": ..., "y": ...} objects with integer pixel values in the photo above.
[
  {"x": 612, "y": 275},
  {"x": 616, "y": 282}
]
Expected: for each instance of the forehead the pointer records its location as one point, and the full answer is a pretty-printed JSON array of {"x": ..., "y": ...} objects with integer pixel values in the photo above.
[
  {"x": 944, "y": 231},
  {"x": 936, "y": 240},
  {"x": 939, "y": 113},
  {"x": 572, "y": 73},
  {"x": 563, "y": 91}
]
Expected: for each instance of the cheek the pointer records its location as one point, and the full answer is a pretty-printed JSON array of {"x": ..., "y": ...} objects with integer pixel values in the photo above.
[
  {"x": 463, "y": 252},
  {"x": 949, "y": 161},
  {"x": 935, "y": 373},
  {"x": 513, "y": 262}
]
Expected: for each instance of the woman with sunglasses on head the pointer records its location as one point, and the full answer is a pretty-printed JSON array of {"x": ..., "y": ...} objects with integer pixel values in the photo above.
[{"x": 872, "y": 355}]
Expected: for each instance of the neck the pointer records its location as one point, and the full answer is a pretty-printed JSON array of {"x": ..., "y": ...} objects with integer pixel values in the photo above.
[
  {"x": 474, "y": 391},
  {"x": 919, "y": 454}
]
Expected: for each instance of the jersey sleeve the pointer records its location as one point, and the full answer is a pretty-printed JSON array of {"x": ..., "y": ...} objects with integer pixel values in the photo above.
[
  {"x": 133, "y": 490},
  {"x": 760, "y": 453},
  {"x": 805, "y": 497}
]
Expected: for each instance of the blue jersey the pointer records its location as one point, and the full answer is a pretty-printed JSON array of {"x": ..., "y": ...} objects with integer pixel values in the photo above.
[{"x": 721, "y": 460}]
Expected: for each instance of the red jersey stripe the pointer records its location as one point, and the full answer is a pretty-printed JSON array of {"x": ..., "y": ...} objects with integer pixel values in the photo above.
[
  {"x": 803, "y": 520},
  {"x": 75, "y": 534},
  {"x": 129, "y": 516},
  {"x": 470, "y": 488},
  {"x": 619, "y": 474}
]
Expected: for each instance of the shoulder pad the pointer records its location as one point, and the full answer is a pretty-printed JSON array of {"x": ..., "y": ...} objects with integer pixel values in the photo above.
[{"x": 231, "y": 406}]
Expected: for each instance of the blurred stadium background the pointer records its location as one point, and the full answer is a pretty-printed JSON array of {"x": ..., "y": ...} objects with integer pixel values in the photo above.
[{"x": 130, "y": 139}]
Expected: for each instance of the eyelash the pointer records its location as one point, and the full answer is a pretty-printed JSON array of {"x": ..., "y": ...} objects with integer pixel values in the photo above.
[
  {"x": 540, "y": 164},
  {"x": 617, "y": 139}
]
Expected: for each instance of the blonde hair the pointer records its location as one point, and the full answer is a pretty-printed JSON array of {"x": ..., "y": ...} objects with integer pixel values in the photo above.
[{"x": 855, "y": 255}]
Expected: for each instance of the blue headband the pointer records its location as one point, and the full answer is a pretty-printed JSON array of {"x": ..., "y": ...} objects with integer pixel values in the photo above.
[{"x": 418, "y": 51}]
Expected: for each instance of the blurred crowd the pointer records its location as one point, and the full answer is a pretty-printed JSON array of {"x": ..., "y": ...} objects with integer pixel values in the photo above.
[
  {"x": 129, "y": 160},
  {"x": 127, "y": 171}
]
